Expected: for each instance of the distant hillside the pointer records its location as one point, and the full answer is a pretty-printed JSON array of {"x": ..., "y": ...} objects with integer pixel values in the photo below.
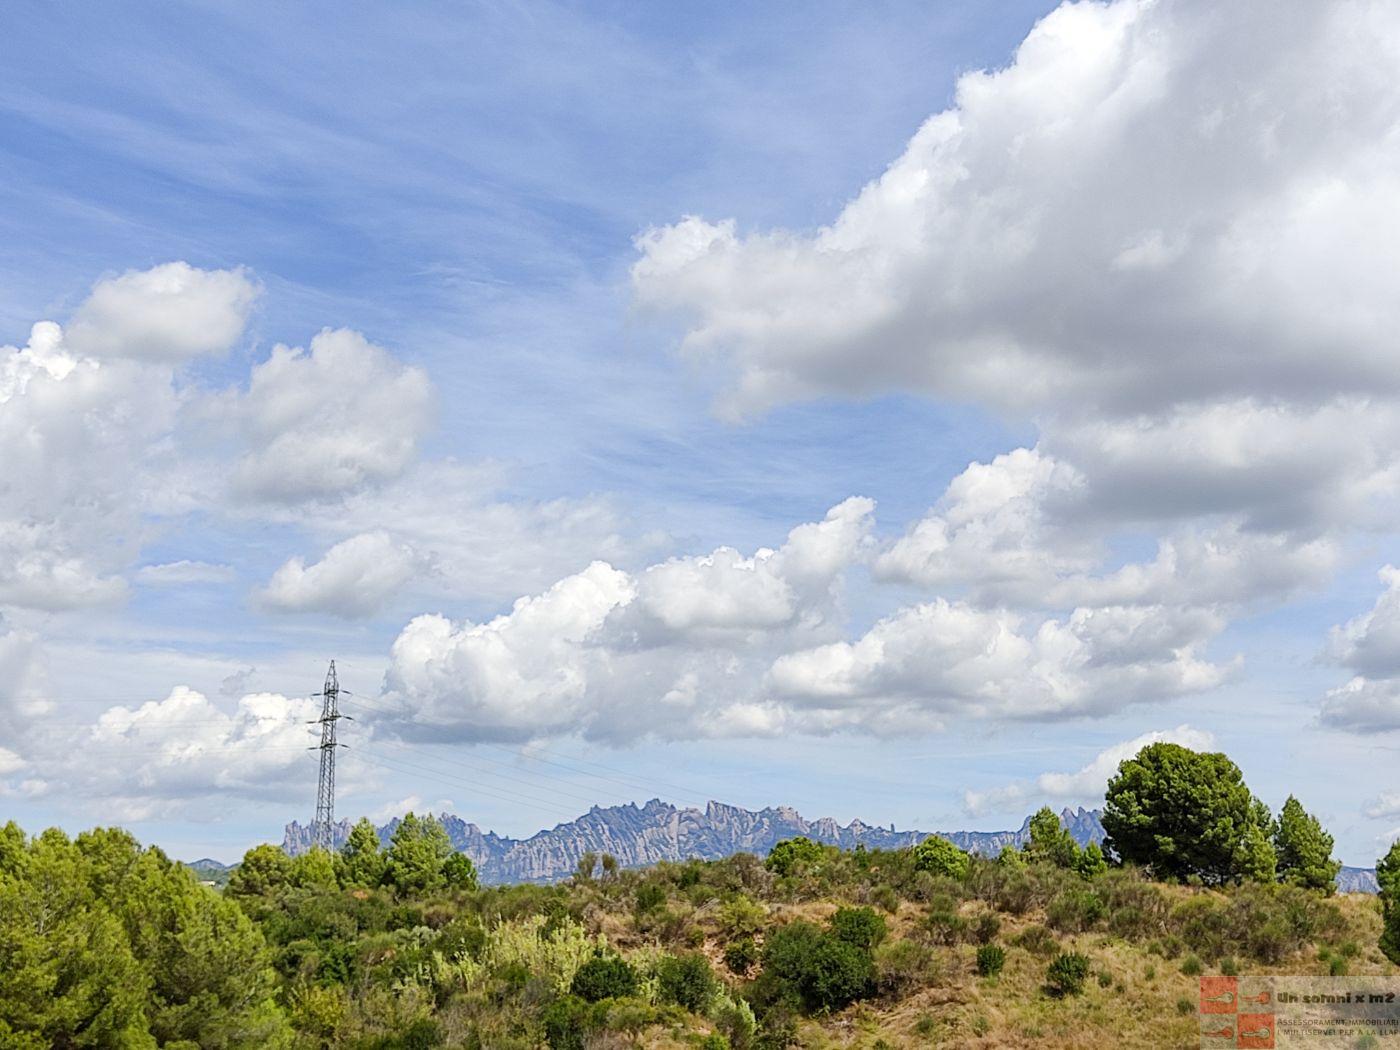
[
  {"x": 638, "y": 836},
  {"x": 210, "y": 871}
]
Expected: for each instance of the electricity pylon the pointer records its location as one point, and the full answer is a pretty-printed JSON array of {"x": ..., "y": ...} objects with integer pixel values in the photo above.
[{"x": 322, "y": 826}]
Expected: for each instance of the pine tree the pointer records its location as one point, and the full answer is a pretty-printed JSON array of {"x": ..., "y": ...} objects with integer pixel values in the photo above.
[
  {"x": 1091, "y": 862},
  {"x": 1050, "y": 841},
  {"x": 1388, "y": 876},
  {"x": 1184, "y": 813},
  {"x": 1304, "y": 849},
  {"x": 417, "y": 854},
  {"x": 363, "y": 862}
]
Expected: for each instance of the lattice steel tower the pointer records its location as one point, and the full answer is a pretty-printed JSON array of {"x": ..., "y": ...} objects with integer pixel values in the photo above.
[{"x": 321, "y": 827}]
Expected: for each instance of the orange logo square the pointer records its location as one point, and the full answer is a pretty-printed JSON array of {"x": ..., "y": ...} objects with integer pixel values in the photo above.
[
  {"x": 1220, "y": 995},
  {"x": 1255, "y": 1030}
]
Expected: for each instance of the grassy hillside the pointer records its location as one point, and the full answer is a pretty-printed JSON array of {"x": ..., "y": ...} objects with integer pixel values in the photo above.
[
  {"x": 105, "y": 944},
  {"x": 706, "y": 947}
]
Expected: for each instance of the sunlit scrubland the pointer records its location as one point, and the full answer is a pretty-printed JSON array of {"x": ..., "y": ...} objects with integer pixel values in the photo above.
[{"x": 106, "y": 944}]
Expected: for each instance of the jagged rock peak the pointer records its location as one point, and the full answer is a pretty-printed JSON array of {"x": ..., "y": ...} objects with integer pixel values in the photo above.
[{"x": 657, "y": 831}]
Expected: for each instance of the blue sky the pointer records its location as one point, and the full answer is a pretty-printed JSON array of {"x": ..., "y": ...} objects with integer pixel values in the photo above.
[{"x": 538, "y": 383}]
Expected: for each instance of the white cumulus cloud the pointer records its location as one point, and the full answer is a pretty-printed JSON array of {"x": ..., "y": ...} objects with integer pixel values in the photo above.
[
  {"x": 354, "y": 578},
  {"x": 1086, "y": 785},
  {"x": 329, "y": 420},
  {"x": 1369, "y": 645},
  {"x": 168, "y": 314},
  {"x": 1128, "y": 216}
]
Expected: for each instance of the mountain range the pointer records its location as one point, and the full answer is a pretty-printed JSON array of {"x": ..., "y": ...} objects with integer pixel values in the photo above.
[{"x": 642, "y": 835}]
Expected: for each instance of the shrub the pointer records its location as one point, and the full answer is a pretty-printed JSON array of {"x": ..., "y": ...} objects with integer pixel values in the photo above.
[
  {"x": 986, "y": 928},
  {"x": 687, "y": 981},
  {"x": 567, "y": 1022},
  {"x": 1075, "y": 910},
  {"x": 824, "y": 972},
  {"x": 742, "y": 917},
  {"x": 1185, "y": 1006},
  {"x": 1067, "y": 973},
  {"x": 604, "y": 977},
  {"x": 901, "y": 966},
  {"x": 946, "y": 927},
  {"x": 740, "y": 955},
  {"x": 650, "y": 896},
  {"x": 861, "y": 927},
  {"x": 735, "y": 1020},
  {"x": 940, "y": 857},
  {"x": 1091, "y": 863},
  {"x": 791, "y": 855},
  {"x": 1037, "y": 940},
  {"x": 885, "y": 898},
  {"x": 1228, "y": 967},
  {"x": 1191, "y": 966},
  {"x": 990, "y": 960},
  {"x": 1337, "y": 966}
]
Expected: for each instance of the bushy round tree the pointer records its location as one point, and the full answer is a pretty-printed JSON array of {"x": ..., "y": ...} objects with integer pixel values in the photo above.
[
  {"x": 687, "y": 981},
  {"x": 1181, "y": 813},
  {"x": 822, "y": 971},
  {"x": 941, "y": 857},
  {"x": 789, "y": 855},
  {"x": 862, "y": 927},
  {"x": 604, "y": 977}
]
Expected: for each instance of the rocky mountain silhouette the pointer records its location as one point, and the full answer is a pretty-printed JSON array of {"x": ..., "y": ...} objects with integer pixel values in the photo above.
[{"x": 642, "y": 835}]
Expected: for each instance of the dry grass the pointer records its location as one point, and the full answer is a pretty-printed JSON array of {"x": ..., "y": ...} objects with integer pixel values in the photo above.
[{"x": 1136, "y": 1006}]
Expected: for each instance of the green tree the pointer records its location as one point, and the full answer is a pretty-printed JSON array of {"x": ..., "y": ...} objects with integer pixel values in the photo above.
[
  {"x": 687, "y": 981},
  {"x": 821, "y": 970},
  {"x": 362, "y": 861},
  {"x": 587, "y": 864},
  {"x": 1050, "y": 841},
  {"x": 941, "y": 857},
  {"x": 1091, "y": 862},
  {"x": 417, "y": 853},
  {"x": 12, "y": 848},
  {"x": 862, "y": 927},
  {"x": 1304, "y": 849},
  {"x": 789, "y": 855},
  {"x": 1011, "y": 857},
  {"x": 604, "y": 977},
  {"x": 211, "y": 982},
  {"x": 314, "y": 869},
  {"x": 459, "y": 872},
  {"x": 1181, "y": 813},
  {"x": 1388, "y": 876},
  {"x": 263, "y": 870},
  {"x": 67, "y": 974},
  {"x": 1256, "y": 860}
]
